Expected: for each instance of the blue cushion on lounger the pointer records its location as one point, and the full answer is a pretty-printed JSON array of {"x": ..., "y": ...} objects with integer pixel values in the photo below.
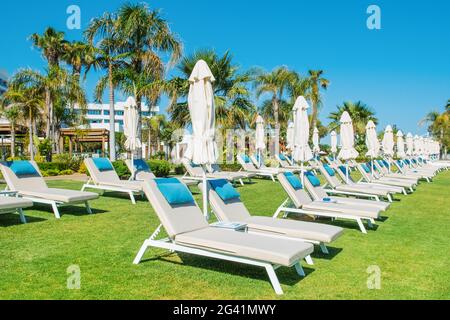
[
  {"x": 282, "y": 157},
  {"x": 380, "y": 163},
  {"x": 103, "y": 164},
  {"x": 343, "y": 169},
  {"x": 22, "y": 168},
  {"x": 386, "y": 164},
  {"x": 293, "y": 180},
  {"x": 400, "y": 163},
  {"x": 224, "y": 189},
  {"x": 365, "y": 167},
  {"x": 245, "y": 158},
  {"x": 407, "y": 161},
  {"x": 174, "y": 191},
  {"x": 141, "y": 165},
  {"x": 313, "y": 179},
  {"x": 329, "y": 170}
]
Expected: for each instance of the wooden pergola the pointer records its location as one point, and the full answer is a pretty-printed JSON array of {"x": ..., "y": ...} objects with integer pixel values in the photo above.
[{"x": 78, "y": 136}]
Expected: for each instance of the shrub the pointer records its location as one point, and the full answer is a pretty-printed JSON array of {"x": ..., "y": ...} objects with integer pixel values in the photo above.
[
  {"x": 230, "y": 167},
  {"x": 179, "y": 170},
  {"x": 161, "y": 168},
  {"x": 83, "y": 169},
  {"x": 50, "y": 173},
  {"x": 67, "y": 172},
  {"x": 58, "y": 166},
  {"x": 72, "y": 163},
  {"x": 122, "y": 169}
]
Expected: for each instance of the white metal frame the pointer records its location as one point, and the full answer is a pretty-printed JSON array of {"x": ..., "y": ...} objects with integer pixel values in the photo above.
[
  {"x": 330, "y": 214},
  {"x": 170, "y": 245},
  {"x": 105, "y": 187},
  {"x": 13, "y": 210}
]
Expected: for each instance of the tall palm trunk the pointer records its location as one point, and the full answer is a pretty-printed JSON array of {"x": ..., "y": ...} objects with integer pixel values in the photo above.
[
  {"x": 139, "y": 129},
  {"x": 149, "y": 142},
  {"x": 30, "y": 131},
  {"x": 276, "y": 110},
  {"x": 314, "y": 114},
  {"x": 13, "y": 139},
  {"x": 112, "y": 122},
  {"x": 49, "y": 111}
]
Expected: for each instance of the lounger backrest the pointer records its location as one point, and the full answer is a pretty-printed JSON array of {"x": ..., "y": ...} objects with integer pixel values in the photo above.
[
  {"x": 26, "y": 182},
  {"x": 341, "y": 172},
  {"x": 194, "y": 171},
  {"x": 363, "y": 172},
  {"x": 298, "y": 197},
  {"x": 317, "y": 193},
  {"x": 141, "y": 173},
  {"x": 331, "y": 179},
  {"x": 256, "y": 163},
  {"x": 283, "y": 163},
  {"x": 175, "y": 219},
  {"x": 248, "y": 166},
  {"x": 214, "y": 168},
  {"x": 98, "y": 176},
  {"x": 230, "y": 211}
]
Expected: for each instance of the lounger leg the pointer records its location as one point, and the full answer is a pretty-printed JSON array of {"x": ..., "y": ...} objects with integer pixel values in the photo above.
[
  {"x": 369, "y": 223},
  {"x": 309, "y": 260},
  {"x": 411, "y": 189},
  {"x": 299, "y": 269},
  {"x": 273, "y": 178},
  {"x": 88, "y": 207},
  {"x": 389, "y": 197},
  {"x": 83, "y": 188},
  {"x": 361, "y": 225},
  {"x": 22, "y": 216},
  {"x": 274, "y": 279},
  {"x": 55, "y": 210},
  {"x": 133, "y": 201},
  {"x": 404, "y": 191},
  {"x": 324, "y": 248},
  {"x": 241, "y": 182},
  {"x": 141, "y": 252}
]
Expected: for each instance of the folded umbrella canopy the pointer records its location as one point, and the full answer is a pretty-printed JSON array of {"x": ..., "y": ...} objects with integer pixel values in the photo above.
[
  {"x": 302, "y": 152},
  {"x": 388, "y": 143},
  {"x": 348, "y": 151},
  {"x": 333, "y": 143},
  {"x": 203, "y": 149},
  {"x": 130, "y": 128},
  {"x": 290, "y": 136},
  {"x": 316, "y": 141},
  {"x": 372, "y": 142},
  {"x": 409, "y": 144},
  {"x": 260, "y": 139},
  {"x": 400, "y": 145}
]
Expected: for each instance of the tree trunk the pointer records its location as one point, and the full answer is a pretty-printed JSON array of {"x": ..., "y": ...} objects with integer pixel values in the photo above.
[
  {"x": 30, "y": 131},
  {"x": 314, "y": 114},
  {"x": 276, "y": 109},
  {"x": 112, "y": 122},
  {"x": 13, "y": 140},
  {"x": 139, "y": 130},
  {"x": 149, "y": 143},
  {"x": 48, "y": 107}
]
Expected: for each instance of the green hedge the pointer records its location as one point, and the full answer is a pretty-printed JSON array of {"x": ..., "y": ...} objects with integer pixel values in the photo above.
[{"x": 160, "y": 168}]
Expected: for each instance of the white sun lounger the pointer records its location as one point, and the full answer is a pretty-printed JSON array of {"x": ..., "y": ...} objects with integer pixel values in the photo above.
[
  {"x": 10, "y": 203},
  {"x": 262, "y": 166},
  {"x": 366, "y": 175},
  {"x": 319, "y": 193},
  {"x": 284, "y": 163},
  {"x": 197, "y": 172},
  {"x": 381, "y": 171},
  {"x": 108, "y": 180},
  {"x": 143, "y": 172},
  {"x": 248, "y": 166},
  {"x": 189, "y": 232},
  {"x": 33, "y": 187},
  {"x": 338, "y": 187},
  {"x": 234, "y": 210},
  {"x": 303, "y": 204}
]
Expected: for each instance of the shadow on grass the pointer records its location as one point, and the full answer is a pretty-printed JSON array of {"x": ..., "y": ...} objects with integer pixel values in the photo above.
[
  {"x": 75, "y": 210},
  {"x": 121, "y": 195},
  {"x": 332, "y": 252},
  {"x": 13, "y": 219},
  {"x": 286, "y": 276}
]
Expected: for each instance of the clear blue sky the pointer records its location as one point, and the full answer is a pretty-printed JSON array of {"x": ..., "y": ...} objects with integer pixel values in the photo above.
[{"x": 401, "y": 71}]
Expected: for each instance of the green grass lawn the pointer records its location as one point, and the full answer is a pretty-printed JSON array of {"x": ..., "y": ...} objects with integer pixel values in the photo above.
[{"x": 410, "y": 246}]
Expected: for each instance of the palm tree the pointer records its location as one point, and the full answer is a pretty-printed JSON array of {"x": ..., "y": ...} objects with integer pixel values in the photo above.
[
  {"x": 274, "y": 83},
  {"x": 231, "y": 95},
  {"x": 360, "y": 114},
  {"x": 316, "y": 82},
  {"x": 29, "y": 102},
  {"x": 78, "y": 55},
  {"x": 108, "y": 57},
  {"x": 55, "y": 85},
  {"x": 430, "y": 118},
  {"x": 13, "y": 115},
  {"x": 52, "y": 44},
  {"x": 147, "y": 35}
]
